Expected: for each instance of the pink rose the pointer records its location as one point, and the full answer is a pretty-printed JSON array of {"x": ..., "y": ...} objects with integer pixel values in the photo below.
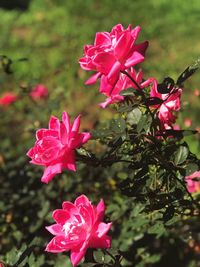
[
  {"x": 8, "y": 98},
  {"x": 113, "y": 52},
  {"x": 55, "y": 147},
  {"x": 124, "y": 82},
  {"x": 79, "y": 226},
  {"x": 38, "y": 92},
  {"x": 193, "y": 186},
  {"x": 171, "y": 102}
]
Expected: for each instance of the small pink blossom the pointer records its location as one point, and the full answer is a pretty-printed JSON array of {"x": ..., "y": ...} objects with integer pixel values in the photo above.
[
  {"x": 187, "y": 122},
  {"x": 171, "y": 103},
  {"x": 55, "y": 147},
  {"x": 124, "y": 82},
  {"x": 39, "y": 92},
  {"x": 79, "y": 226},
  {"x": 113, "y": 52},
  {"x": 8, "y": 98},
  {"x": 192, "y": 185},
  {"x": 196, "y": 92}
]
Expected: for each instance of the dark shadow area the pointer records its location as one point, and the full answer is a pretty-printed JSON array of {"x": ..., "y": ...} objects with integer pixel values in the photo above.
[{"x": 15, "y": 4}]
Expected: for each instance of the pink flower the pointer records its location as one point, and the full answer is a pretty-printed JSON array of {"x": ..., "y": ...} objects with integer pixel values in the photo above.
[
  {"x": 124, "y": 82},
  {"x": 8, "y": 98},
  {"x": 196, "y": 92},
  {"x": 192, "y": 185},
  {"x": 113, "y": 52},
  {"x": 79, "y": 226},
  {"x": 38, "y": 92},
  {"x": 55, "y": 147},
  {"x": 171, "y": 102},
  {"x": 187, "y": 122}
]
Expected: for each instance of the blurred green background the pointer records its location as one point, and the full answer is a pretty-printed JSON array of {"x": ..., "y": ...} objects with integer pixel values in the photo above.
[{"x": 51, "y": 35}]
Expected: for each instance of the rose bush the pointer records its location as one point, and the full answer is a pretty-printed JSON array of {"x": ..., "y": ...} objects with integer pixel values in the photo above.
[{"x": 139, "y": 162}]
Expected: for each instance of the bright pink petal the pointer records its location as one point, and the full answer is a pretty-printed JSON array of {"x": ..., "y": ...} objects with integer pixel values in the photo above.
[
  {"x": 76, "y": 124},
  {"x": 113, "y": 75},
  {"x": 134, "y": 59},
  {"x": 30, "y": 152},
  {"x": 100, "y": 210},
  {"x": 103, "y": 242},
  {"x": 123, "y": 46},
  {"x": 63, "y": 135},
  {"x": 69, "y": 161},
  {"x": 102, "y": 38},
  {"x": 54, "y": 123},
  {"x": 41, "y": 133},
  {"x": 66, "y": 121},
  {"x": 105, "y": 87},
  {"x": 81, "y": 139},
  {"x": 82, "y": 200},
  {"x": 76, "y": 256},
  {"x": 103, "y": 228},
  {"x": 193, "y": 175},
  {"x": 93, "y": 78},
  {"x": 50, "y": 172},
  {"x": 59, "y": 244},
  {"x": 55, "y": 229},
  {"x": 69, "y": 207},
  {"x": 146, "y": 83},
  {"x": 135, "y": 33},
  {"x": 107, "y": 102},
  {"x": 61, "y": 216},
  {"x": 104, "y": 62}
]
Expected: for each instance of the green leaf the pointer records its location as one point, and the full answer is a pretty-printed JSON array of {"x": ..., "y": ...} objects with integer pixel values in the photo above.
[
  {"x": 191, "y": 168},
  {"x": 134, "y": 116},
  {"x": 157, "y": 229},
  {"x": 144, "y": 123},
  {"x": 181, "y": 155},
  {"x": 125, "y": 108},
  {"x": 118, "y": 125}
]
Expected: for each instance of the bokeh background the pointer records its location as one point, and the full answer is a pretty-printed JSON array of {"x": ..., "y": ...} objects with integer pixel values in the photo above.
[{"x": 50, "y": 35}]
